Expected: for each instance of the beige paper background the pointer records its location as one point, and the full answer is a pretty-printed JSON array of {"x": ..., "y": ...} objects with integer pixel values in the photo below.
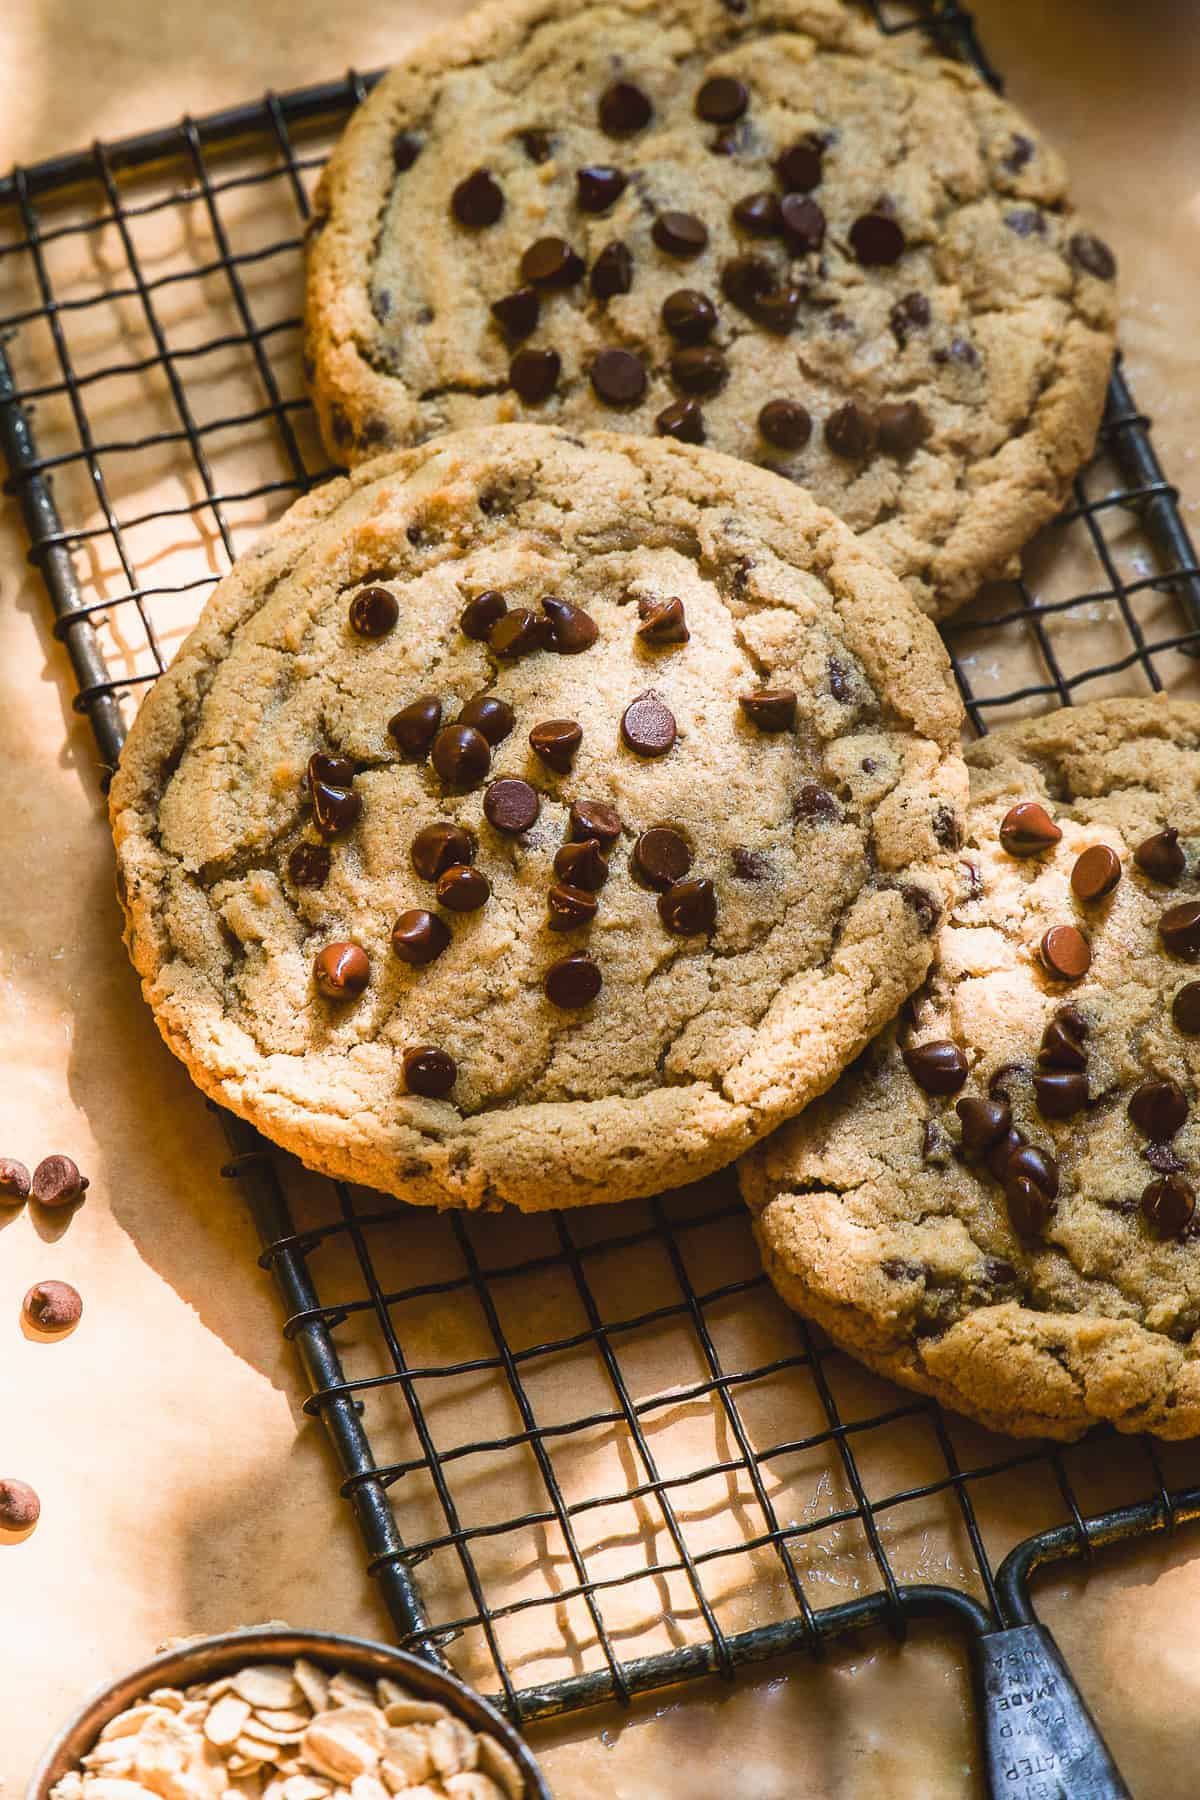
[{"x": 182, "y": 1487}]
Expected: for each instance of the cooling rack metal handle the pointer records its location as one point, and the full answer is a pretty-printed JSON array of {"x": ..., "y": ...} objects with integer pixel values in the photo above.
[{"x": 1040, "y": 1741}]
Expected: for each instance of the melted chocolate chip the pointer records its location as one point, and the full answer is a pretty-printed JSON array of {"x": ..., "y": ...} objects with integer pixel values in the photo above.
[
  {"x": 335, "y": 809},
  {"x": 582, "y": 865},
  {"x": 1063, "y": 1040},
  {"x": 1027, "y": 828},
  {"x": 405, "y": 151},
  {"x": 876, "y": 240},
  {"x": 551, "y": 263},
  {"x": 517, "y": 313},
  {"x": 776, "y": 311},
  {"x": 332, "y": 771},
  {"x": 533, "y": 374},
  {"x": 689, "y": 316},
  {"x": 1026, "y": 222},
  {"x": 1168, "y": 1205},
  {"x": 922, "y": 904},
  {"x": 1158, "y": 1109},
  {"x": 341, "y": 971},
  {"x": 682, "y": 420},
  {"x": 850, "y": 432},
  {"x": 441, "y": 846},
  {"x": 480, "y": 614},
  {"x": 429, "y": 1072},
  {"x": 946, "y": 829},
  {"x": 555, "y": 741},
  {"x": 572, "y": 630},
  {"x": 1020, "y": 152},
  {"x": 911, "y": 313},
  {"x": 571, "y": 982},
  {"x": 813, "y": 803},
  {"x": 799, "y": 167},
  {"x": 750, "y": 283},
  {"x": 661, "y": 856},
  {"x": 461, "y": 756},
  {"x": 701, "y": 369},
  {"x": 1060, "y": 1093},
  {"x": 624, "y": 109},
  {"x": 618, "y": 378},
  {"x": 309, "y": 865},
  {"x": 593, "y": 819},
  {"x": 418, "y": 937},
  {"x": 938, "y": 1067},
  {"x": 786, "y": 424},
  {"x": 462, "y": 889},
  {"x": 749, "y": 865},
  {"x": 1096, "y": 874},
  {"x": 1029, "y": 1207},
  {"x": 569, "y": 907},
  {"x": 598, "y": 186},
  {"x": 511, "y": 805},
  {"x": 1065, "y": 953},
  {"x": 414, "y": 727},
  {"x": 1179, "y": 930},
  {"x": 688, "y": 907},
  {"x": 984, "y": 1122},
  {"x": 1027, "y": 1163},
  {"x": 519, "y": 632},
  {"x": 1185, "y": 1009},
  {"x": 478, "y": 200},
  {"x": 770, "y": 709},
  {"x": 612, "y": 271},
  {"x": 1092, "y": 255},
  {"x": 1160, "y": 858},
  {"x": 901, "y": 427},
  {"x": 803, "y": 223},
  {"x": 896, "y": 1269},
  {"x": 490, "y": 715},
  {"x": 721, "y": 100},
  {"x": 373, "y": 612},
  {"x": 758, "y": 214},
  {"x": 662, "y": 620},
  {"x": 648, "y": 726},
  {"x": 680, "y": 234},
  {"x": 536, "y": 144}
]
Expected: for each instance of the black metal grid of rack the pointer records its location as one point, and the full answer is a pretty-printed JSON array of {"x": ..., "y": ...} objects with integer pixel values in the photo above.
[{"x": 139, "y": 278}]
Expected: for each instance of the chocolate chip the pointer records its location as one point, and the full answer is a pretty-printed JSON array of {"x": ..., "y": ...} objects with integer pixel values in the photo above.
[
  {"x": 1096, "y": 874},
  {"x": 511, "y": 805},
  {"x": 662, "y": 620},
  {"x": 593, "y": 819},
  {"x": 1026, "y": 222},
  {"x": 770, "y": 709},
  {"x": 680, "y": 234},
  {"x": 572, "y": 982},
  {"x": 57, "y": 1182},
  {"x": 682, "y": 420},
  {"x": 984, "y": 1122},
  {"x": 661, "y": 856},
  {"x": 556, "y": 741},
  {"x": 439, "y": 847},
  {"x": 850, "y": 432},
  {"x": 938, "y": 1067},
  {"x": 896, "y": 1269},
  {"x": 1027, "y": 828},
  {"x": 749, "y": 282},
  {"x": 997, "y": 1158},
  {"x": 461, "y": 756},
  {"x": 721, "y": 100},
  {"x": 414, "y": 727},
  {"x": 749, "y": 865},
  {"x": 1093, "y": 256},
  {"x": 373, "y": 612},
  {"x": 1160, "y": 858},
  {"x": 1065, "y": 953},
  {"x": 341, "y": 971},
  {"x": 490, "y": 715},
  {"x": 612, "y": 271},
  {"x": 648, "y": 726},
  {"x": 309, "y": 865},
  {"x": 799, "y": 167},
  {"x": 405, "y": 151},
  {"x": 533, "y": 374},
  {"x": 480, "y": 614},
  {"x": 335, "y": 809},
  {"x": 14, "y": 1181},
  {"x": 1060, "y": 1093},
  {"x": 477, "y": 201},
  {"x": 536, "y": 144},
  {"x": 688, "y": 315},
  {"x": 569, "y": 907},
  {"x": 688, "y": 907},
  {"x": 1029, "y": 1208},
  {"x": 429, "y": 1072},
  {"x": 1019, "y": 153},
  {"x": 517, "y": 313},
  {"x": 876, "y": 240},
  {"x": 419, "y": 936},
  {"x": 330, "y": 771},
  {"x": 813, "y": 802},
  {"x": 572, "y": 630},
  {"x": 922, "y": 904},
  {"x": 1027, "y": 1163},
  {"x": 52, "y": 1306},
  {"x": 462, "y": 889},
  {"x": 582, "y": 865},
  {"x": 786, "y": 424},
  {"x": 758, "y": 214},
  {"x": 19, "y": 1505},
  {"x": 1162, "y": 1159},
  {"x": 776, "y": 310},
  {"x": 959, "y": 350},
  {"x": 598, "y": 186},
  {"x": 551, "y": 263},
  {"x": 1063, "y": 1041},
  {"x": 912, "y": 313},
  {"x": 618, "y": 378},
  {"x": 519, "y": 632},
  {"x": 900, "y": 427},
  {"x": 803, "y": 223},
  {"x": 624, "y": 109},
  {"x": 1185, "y": 1009},
  {"x": 945, "y": 828},
  {"x": 1158, "y": 1109},
  {"x": 1179, "y": 929},
  {"x": 998, "y": 1273},
  {"x": 702, "y": 369},
  {"x": 1168, "y": 1205}
]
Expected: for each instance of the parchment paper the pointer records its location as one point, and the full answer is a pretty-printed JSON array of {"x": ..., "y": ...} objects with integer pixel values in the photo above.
[{"x": 182, "y": 1488}]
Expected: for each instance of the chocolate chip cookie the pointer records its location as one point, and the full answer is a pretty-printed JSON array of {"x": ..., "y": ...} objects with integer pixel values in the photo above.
[
  {"x": 772, "y": 230},
  {"x": 997, "y": 1204},
  {"x": 538, "y": 821}
]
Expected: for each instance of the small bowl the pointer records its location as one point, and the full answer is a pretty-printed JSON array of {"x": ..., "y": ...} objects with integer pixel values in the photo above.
[{"x": 209, "y": 1658}]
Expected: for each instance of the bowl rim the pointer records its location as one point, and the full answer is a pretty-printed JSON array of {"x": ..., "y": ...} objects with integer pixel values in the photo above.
[{"x": 217, "y": 1652}]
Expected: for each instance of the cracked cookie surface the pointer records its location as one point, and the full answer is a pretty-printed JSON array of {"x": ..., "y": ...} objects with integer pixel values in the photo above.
[
  {"x": 805, "y": 803},
  {"x": 769, "y": 228},
  {"x": 901, "y": 1214}
]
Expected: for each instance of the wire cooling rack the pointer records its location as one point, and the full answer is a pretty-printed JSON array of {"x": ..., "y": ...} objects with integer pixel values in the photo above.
[{"x": 615, "y": 1459}]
